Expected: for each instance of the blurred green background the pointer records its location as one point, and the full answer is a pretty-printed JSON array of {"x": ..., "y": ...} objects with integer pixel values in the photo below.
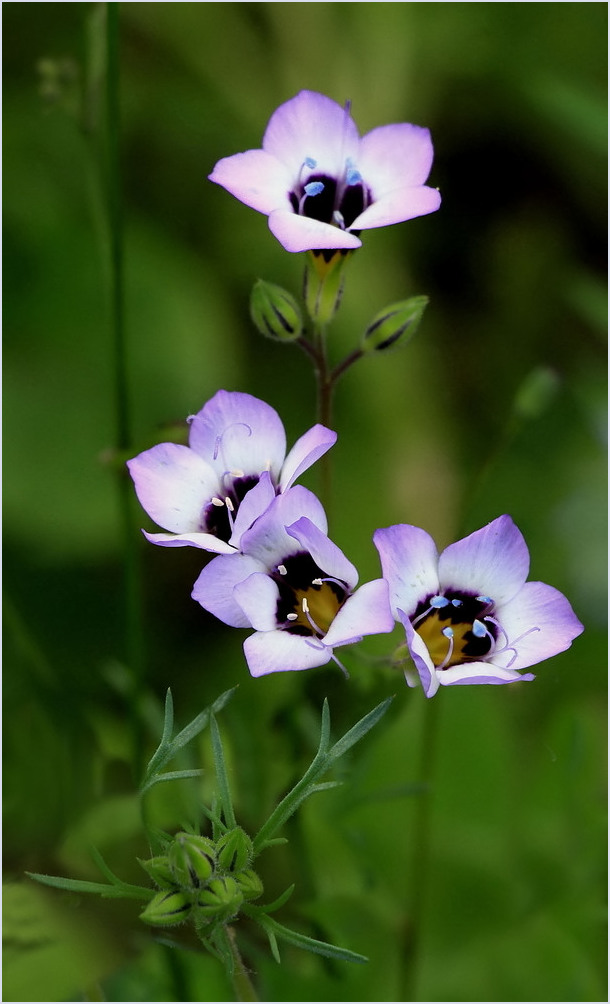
[{"x": 498, "y": 406}]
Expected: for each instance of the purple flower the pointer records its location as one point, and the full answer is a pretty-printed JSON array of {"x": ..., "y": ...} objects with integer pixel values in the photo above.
[
  {"x": 320, "y": 183},
  {"x": 209, "y": 492},
  {"x": 294, "y": 587},
  {"x": 469, "y": 615}
]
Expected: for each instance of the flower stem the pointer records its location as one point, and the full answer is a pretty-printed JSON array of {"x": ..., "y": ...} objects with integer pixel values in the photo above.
[
  {"x": 242, "y": 984},
  {"x": 419, "y": 865},
  {"x": 111, "y": 177}
]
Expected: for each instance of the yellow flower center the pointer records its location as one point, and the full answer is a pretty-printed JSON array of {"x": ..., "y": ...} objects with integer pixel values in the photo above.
[{"x": 316, "y": 608}]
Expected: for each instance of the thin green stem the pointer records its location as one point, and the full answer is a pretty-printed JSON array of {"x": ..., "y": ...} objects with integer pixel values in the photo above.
[
  {"x": 111, "y": 174},
  {"x": 242, "y": 984},
  {"x": 419, "y": 869}
]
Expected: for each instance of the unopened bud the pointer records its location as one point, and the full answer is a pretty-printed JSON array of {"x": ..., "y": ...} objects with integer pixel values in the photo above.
[
  {"x": 275, "y": 312},
  {"x": 395, "y": 324},
  {"x": 159, "y": 870},
  {"x": 220, "y": 900},
  {"x": 234, "y": 850},
  {"x": 167, "y": 909},
  {"x": 249, "y": 883},
  {"x": 323, "y": 287},
  {"x": 192, "y": 860}
]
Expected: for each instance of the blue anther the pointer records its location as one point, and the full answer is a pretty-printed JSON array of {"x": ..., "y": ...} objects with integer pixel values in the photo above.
[
  {"x": 309, "y": 162},
  {"x": 484, "y": 599},
  {"x": 456, "y": 603},
  {"x": 448, "y": 632},
  {"x": 438, "y": 602},
  {"x": 314, "y": 188},
  {"x": 478, "y": 629},
  {"x": 352, "y": 174}
]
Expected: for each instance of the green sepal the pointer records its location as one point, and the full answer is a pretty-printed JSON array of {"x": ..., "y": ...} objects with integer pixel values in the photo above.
[
  {"x": 275, "y": 312},
  {"x": 167, "y": 908},
  {"x": 234, "y": 850},
  {"x": 394, "y": 325},
  {"x": 220, "y": 900},
  {"x": 159, "y": 870},
  {"x": 249, "y": 883},
  {"x": 192, "y": 860},
  {"x": 323, "y": 284}
]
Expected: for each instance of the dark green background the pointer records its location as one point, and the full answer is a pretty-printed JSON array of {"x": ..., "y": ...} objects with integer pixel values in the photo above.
[{"x": 497, "y": 406}]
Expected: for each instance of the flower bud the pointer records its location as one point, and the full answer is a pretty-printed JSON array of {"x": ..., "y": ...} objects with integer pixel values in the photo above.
[
  {"x": 167, "y": 909},
  {"x": 220, "y": 900},
  {"x": 249, "y": 883},
  {"x": 159, "y": 870},
  {"x": 396, "y": 323},
  {"x": 234, "y": 850},
  {"x": 324, "y": 281},
  {"x": 275, "y": 312},
  {"x": 192, "y": 860}
]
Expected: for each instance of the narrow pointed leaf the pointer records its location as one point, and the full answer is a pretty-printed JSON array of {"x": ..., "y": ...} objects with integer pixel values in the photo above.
[
  {"x": 311, "y": 944},
  {"x": 124, "y": 891},
  {"x": 359, "y": 730},
  {"x": 221, "y": 776}
]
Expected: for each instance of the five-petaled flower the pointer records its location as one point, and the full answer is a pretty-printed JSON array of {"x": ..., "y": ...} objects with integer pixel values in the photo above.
[
  {"x": 209, "y": 492},
  {"x": 320, "y": 183},
  {"x": 469, "y": 615},
  {"x": 294, "y": 587}
]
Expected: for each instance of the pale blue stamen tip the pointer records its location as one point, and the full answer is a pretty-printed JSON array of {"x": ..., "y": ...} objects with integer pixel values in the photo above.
[
  {"x": 484, "y": 599},
  {"x": 478, "y": 629},
  {"x": 438, "y": 602},
  {"x": 353, "y": 177},
  {"x": 309, "y": 162},
  {"x": 448, "y": 632},
  {"x": 456, "y": 603},
  {"x": 314, "y": 188}
]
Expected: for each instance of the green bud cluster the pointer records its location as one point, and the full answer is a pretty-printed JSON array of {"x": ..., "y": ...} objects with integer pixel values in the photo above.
[{"x": 201, "y": 879}]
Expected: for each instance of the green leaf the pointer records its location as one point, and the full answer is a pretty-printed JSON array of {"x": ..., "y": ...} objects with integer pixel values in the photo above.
[
  {"x": 359, "y": 730},
  {"x": 221, "y": 776},
  {"x": 168, "y": 747},
  {"x": 323, "y": 761},
  {"x": 171, "y": 775},
  {"x": 122, "y": 891},
  {"x": 252, "y": 911},
  {"x": 309, "y": 944}
]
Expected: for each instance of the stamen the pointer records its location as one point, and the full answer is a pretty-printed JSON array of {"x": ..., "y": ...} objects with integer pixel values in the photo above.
[
  {"x": 310, "y": 163},
  {"x": 217, "y": 501},
  {"x": 496, "y": 624},
  {"x": 230, "y": 511},
  {"x": 338, "y": 219},
  {"x": 305, "y": 608},
  {"x": 456, "y": 603},
  {"x": 436, "y": 603},
  {"x": 292, "y": 617},
  {"x": 314, "y": 188},
  {"x": 479, "y": 630},
  {"x": 484, "y": 599},
  {"x": 352, "y": 174},
  {"x": 448, "y": 633},
  {"x": 311, "y": 189},
  {"x": 283, "y": 571},
  {"x": 328, "y": 578}
]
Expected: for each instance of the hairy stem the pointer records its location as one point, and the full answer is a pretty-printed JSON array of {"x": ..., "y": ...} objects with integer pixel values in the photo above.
[
  {"x": 419, "y": 865},
  {"x": 242, "y": 984}
]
